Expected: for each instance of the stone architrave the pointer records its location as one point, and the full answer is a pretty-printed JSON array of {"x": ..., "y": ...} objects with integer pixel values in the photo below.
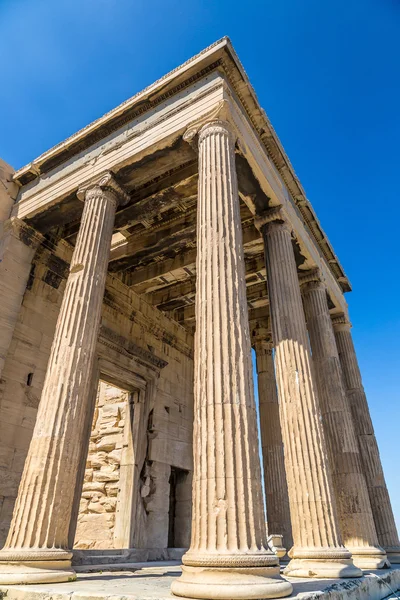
[
  {"x": 276, "y": 492},
  {"x": 37, "y": 549},
  {"x": 228, "y": 556},
  {"x": 318, "y": 550},
  {"x": 352, "y": 500},
  {"x": 378, "y": 493}
]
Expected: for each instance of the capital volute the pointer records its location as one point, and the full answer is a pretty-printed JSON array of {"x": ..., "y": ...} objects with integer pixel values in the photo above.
[
  {"x": 217, "y": 120},
  {"x": 261, "y": 339},
  {"x": 311, "y": 279},
  {"x": 275, "y": 214},
  {"x": 341, "y": 323},
  {"x": 107, "y": 183}
]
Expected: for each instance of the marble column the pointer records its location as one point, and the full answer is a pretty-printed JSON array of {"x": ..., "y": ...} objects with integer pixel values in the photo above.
[
  {"x": 352, "y": 500},
  {"x": 37, "y": 549},
  {"x": 275, "y": 484},
  {"x": 228, "y": 555},
  {"x": 318, "y": 550},
  {"x": 373, "y": 471}
]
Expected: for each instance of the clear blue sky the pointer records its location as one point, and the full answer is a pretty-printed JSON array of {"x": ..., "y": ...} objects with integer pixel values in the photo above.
[{"x": 328, "y": 75}]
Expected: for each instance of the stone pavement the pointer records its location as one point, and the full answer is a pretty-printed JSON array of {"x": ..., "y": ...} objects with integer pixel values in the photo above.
[{"x": 152, "y": 581}]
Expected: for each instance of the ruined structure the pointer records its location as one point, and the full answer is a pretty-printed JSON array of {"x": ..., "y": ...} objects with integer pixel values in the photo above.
[{"x": 140, "y": 261}]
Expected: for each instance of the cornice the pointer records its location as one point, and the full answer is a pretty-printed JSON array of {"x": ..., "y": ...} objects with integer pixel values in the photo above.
[{"x": 222, "y": 56}]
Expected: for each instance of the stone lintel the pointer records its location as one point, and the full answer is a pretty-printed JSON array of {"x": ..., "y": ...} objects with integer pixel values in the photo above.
[{"x": 124, "y": 346}]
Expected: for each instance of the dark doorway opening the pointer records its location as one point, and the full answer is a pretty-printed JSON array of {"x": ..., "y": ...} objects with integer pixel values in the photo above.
[{"x": 177, "y": 481}]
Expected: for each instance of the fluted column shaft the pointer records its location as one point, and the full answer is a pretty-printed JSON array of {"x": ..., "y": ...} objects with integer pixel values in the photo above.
[
  {"x": 41, "y": 519},
  {"x": 276, "y": 492},
  {"x": 315, "y": 529},
  {"x": 228, "y": 523},
  {"x": 228, "y": 514},
  {"x": 369, "y": 451},
  {"x": 354, "y": 509}
]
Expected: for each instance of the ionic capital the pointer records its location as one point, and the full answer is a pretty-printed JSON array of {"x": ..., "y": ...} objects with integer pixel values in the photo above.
[
  {"x": 341, "y": 323},
  {"x": 105, "y": 183},
  {"x": 276, "y": 214},
  {"x": 219, "y": 115},
  {"x": 218, "y": 126},
  {"x": 261, "y": 339},
  {"x": 310, "y": 280}
]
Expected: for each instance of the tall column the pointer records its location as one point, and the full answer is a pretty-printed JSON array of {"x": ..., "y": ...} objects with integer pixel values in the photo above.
[
  {"x": 318, "y": 550},
  {"x": 373, "y": 471},
  {"x": 36, "y": 549},
  {"x": 275, "y": 484},
  {"x": 352, "y": 500},
  {"x": 228, "y": 555}
]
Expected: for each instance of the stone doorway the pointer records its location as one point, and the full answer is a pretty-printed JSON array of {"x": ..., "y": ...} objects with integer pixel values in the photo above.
[
  {"x": 179, "y": 508},
  {"x": 105, "y": 473}
]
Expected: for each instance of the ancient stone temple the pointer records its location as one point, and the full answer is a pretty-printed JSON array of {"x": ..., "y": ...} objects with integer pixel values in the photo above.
[{"x": 141, "y": 261}]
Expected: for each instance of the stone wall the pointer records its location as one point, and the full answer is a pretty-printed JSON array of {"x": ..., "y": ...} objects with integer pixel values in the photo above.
[
  {"x": 22, "y": 379},
  {"x": 96, "y": 518},
  {"x": 101, "y": 488}
]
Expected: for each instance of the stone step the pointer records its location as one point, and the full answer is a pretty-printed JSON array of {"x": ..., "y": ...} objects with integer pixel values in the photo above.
[
  {"x": 155, "y": 567},
  {"x": 110, "y": 557}
]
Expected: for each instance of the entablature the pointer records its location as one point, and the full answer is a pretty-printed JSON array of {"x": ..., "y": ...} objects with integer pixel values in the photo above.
[{"x": 144, "y": 143}]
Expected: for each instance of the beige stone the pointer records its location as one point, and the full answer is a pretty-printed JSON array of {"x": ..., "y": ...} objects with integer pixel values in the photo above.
[
  {"x": 118, "y": 299},
  {"x": 317, "y": 550},
  {"x": 228, "y": 555},
  {"x": 276, "y": 492},
  {"x": 42, "y": 534},
  {"x": 18, "y": 244},
  {"x": 378, "y": 493},
  {"x": 354, "y": 509}
]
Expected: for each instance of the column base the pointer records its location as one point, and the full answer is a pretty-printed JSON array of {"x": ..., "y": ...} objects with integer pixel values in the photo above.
[
  {"x": 230, "y": 583},
  {"x": 41, "y": 566},
  {"x": 393, "y": 554},
  {"x": 321, "y": 564},
  {"x": 275, "y": 545},
  {"x": 369, "y": 558}
]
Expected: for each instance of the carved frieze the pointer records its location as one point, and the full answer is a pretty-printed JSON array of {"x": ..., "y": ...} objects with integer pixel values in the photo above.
[{"x": 122, "y": 345}]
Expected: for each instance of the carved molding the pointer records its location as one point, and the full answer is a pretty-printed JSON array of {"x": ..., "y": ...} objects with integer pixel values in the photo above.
[
  {"x": 276, "y": 213},
  {"x": 220, "y": 112},
  {"x": 119, "y": 343},
  {"x": 261, "y": 340},
  {"x": 340, "y": 322},
  {"x": 106, "y": 182},
  {"x": 311, "y": 276}
]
